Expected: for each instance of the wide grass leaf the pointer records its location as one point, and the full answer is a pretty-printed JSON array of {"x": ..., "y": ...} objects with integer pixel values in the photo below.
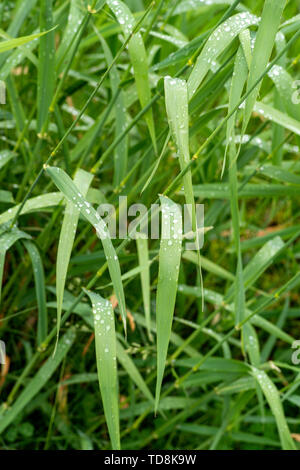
[
  {"x": 169, "y": 262},
  {"x": 12, "y": 43},
  {"x": 106, "y": 351}
]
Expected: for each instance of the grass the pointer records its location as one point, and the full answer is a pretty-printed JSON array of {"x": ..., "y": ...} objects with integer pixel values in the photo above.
[{"x": 140, "y": 343}]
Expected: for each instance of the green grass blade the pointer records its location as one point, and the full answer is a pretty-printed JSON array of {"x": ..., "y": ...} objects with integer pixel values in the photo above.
[
  {"x": 82, "y": 181},
  {"x": 46, "y": 68},
  {"x": 264, "y": 43},
  {"x": 105, "y": 342},
  {"x": 40, "y": 288},
  {"x": 169, "y": 261},
  {"x": 7, "y": 240},
  {"x": 68, "y": 188},
  {"x": 177, "y": 110},
  {"x": 5, "y": 157},
  {"x": 38, "y": 381},
  {"x": 133, "y": 372},
  {"x": 121, "y": 150},
  {"x": 12, "y": 43},
  {"x": 138, "y": 58},
  {"x": 274, "y": 115},
  {"x": 273, "y": 399},
  {"x": 143, "y": 257},
  {"x": 216, "y": 44}
]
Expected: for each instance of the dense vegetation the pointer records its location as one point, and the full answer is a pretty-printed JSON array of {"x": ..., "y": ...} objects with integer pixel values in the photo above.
[{"x": 143, "y": 343}]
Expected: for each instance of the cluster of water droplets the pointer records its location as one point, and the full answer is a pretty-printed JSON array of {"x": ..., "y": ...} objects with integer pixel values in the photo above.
[
  {"x": 123, "y": 15},
  {"x": 103, "y": 321}
]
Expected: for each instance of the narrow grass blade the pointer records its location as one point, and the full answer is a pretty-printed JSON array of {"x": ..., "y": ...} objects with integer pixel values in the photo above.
[
  {"x": 5, "y": 157},
  {"x": 273, "y": 399},
  {"x": 40, "y": 288},
  {"x": 169, "y": 261},
  {"x": 46, "y": 68},
  {"x": 138, "y": 58},
  {"x": 38, "y": 381},
  {"x": 68, "y": 188},
  {"x": 133, "y": 372},
  {"x": 105, "y": 341},
  {"x": 283, "y": 82},
  {"x": 75, "y": 19},
  {"x": 143, "y": 256},
  {"x": 82, "y": 181},
  {"x": 121, "y": 151},
  {"x": 7, "y": 240},
  {"x": 12, "y": 43},
  {"x": 264, "y": 44}
]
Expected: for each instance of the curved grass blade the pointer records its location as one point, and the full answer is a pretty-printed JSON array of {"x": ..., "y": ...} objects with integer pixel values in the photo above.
[
  {"x": 40, "y": 288},
  {"x": 68, "y": 188},
  {"x": 105, "y": 342},
  {"x": 38, "y": 381},
  {"x": 138, "y": 58},
  {"x": 216, "y": 44},
  {"x": 264, "y": 43},
  {"x": 169, "y": 262},
  {"x": 82, "y": 181}
]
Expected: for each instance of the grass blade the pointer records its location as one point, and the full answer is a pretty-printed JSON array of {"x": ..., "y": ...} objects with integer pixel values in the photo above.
[
  {"x": 68, "y": 188},
  {"x": 38, "y": 381},
  {"x": 12, "y": 43},
  {"x": 169, "y": 261},
  {"x": 216, "y": 44},
  {"x": 105, "y": 342},
  {"x": 143, "y": 256},
  {"x": 7, "y": 240},
  {"x": 264, "y": 43},
  {"x": 46, "y": 69},
  {"x": 82, "y": 181},
  {"x": 138, "y": 58},
  {"x": 273, "y": 399},
  {"x": 39, "y": 277}
]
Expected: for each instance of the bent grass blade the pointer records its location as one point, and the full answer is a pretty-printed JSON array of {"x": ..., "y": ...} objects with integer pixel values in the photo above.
[{"x": 68, "y": 188}]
